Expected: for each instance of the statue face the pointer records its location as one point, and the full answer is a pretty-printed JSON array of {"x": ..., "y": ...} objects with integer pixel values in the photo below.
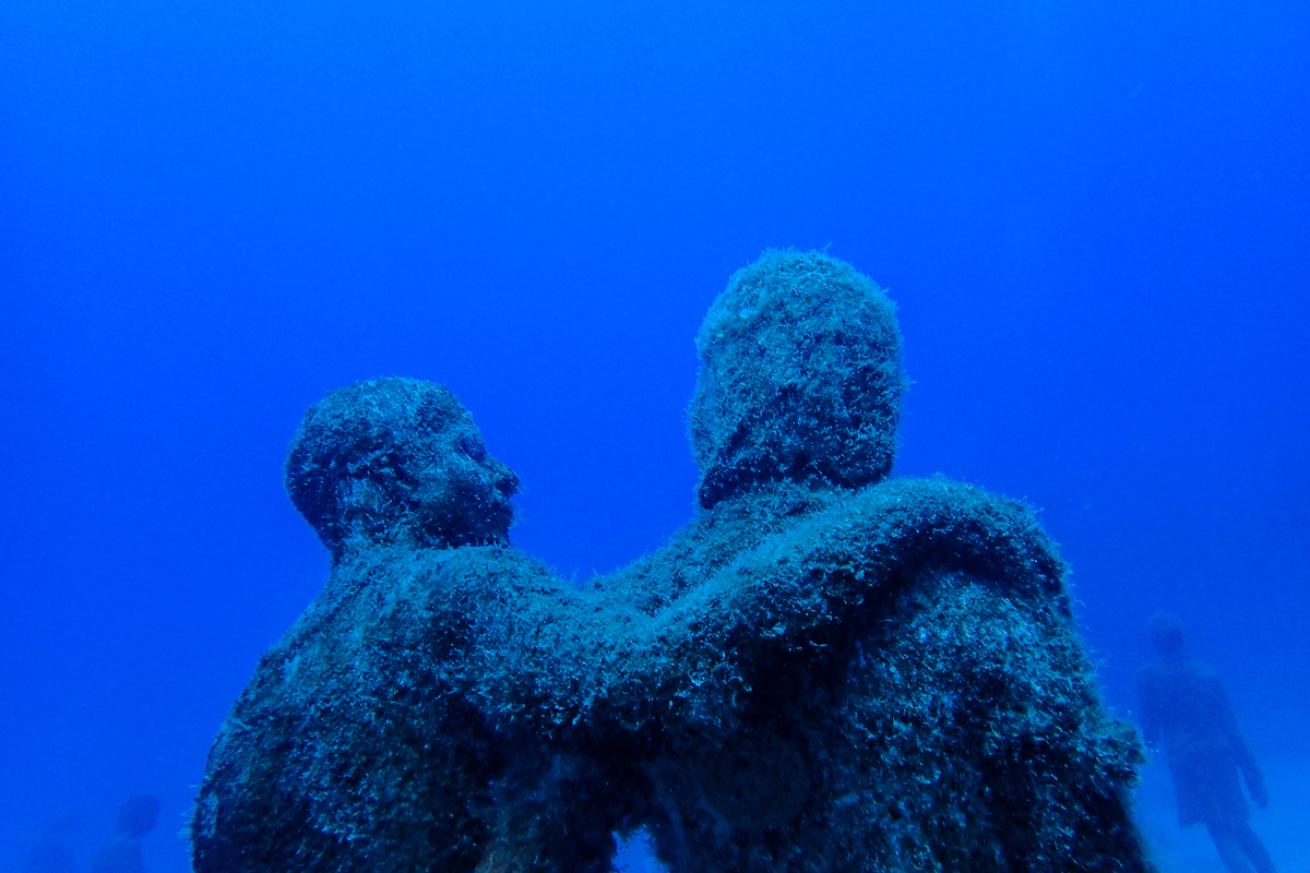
[
  {"x": 461, "y": 495},
  {"x": 397, "y": 461}
]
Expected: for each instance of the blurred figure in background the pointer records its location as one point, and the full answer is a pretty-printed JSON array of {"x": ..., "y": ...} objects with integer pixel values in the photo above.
[
  {"x": 51, "y": 853},
  {"x": 122, "y": 854},
  {"x": 1184, "y": 709}
]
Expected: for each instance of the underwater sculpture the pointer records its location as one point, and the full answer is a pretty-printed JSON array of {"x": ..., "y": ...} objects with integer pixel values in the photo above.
[
  {"x": 827, "y": 669},
  {"x": 124, "y": 853}
]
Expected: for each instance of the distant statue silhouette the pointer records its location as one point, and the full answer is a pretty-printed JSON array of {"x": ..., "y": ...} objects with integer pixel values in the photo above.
[
  {"x": 51, "y": 853},
  {"x": 1185, "y": 710},
  {"x": 122, "y": 854}
]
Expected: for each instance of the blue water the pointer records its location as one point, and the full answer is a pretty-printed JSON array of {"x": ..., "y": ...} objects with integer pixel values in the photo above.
[{"x": 1094, "y": 217}]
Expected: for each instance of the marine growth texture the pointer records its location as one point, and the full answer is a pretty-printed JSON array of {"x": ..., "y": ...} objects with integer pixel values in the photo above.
[{"x": 826, "y": 670}]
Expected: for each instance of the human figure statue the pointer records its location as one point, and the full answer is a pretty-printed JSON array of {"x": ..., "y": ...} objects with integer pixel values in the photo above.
[
  {"x": 1185, "y": 711},
  {"x": 122, "y": 854},
  {"x": 827, "y": 668}
]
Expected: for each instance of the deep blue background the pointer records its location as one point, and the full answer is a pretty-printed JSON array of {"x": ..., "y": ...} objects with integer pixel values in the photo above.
[{"x": 1093, "y": 218}]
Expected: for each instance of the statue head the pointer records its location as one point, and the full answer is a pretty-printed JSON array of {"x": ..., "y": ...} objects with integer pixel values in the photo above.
[
  {"x": 800, "y": 378},
  {"x": 138, "y": 816},
  {"x": 1167, "y": 634},
  {"x": 397, "y": 461}
]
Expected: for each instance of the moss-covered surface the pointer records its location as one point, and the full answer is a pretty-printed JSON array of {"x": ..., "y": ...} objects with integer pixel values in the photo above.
[
  {"x": 800, "y": 377},
  {"x": 397, "y": 461},
  {"x": 824, "y": 670}
]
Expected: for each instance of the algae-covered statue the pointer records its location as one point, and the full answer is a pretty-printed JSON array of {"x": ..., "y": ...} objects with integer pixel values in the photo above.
[{"x": 826, "y": 670}]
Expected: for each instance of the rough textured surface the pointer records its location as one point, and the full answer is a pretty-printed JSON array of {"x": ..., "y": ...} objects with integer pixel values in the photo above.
[
  {"x": 800, "y": 377},
  {"x": 397, "y": 461},
  {"x": 825, "y": 670}
]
